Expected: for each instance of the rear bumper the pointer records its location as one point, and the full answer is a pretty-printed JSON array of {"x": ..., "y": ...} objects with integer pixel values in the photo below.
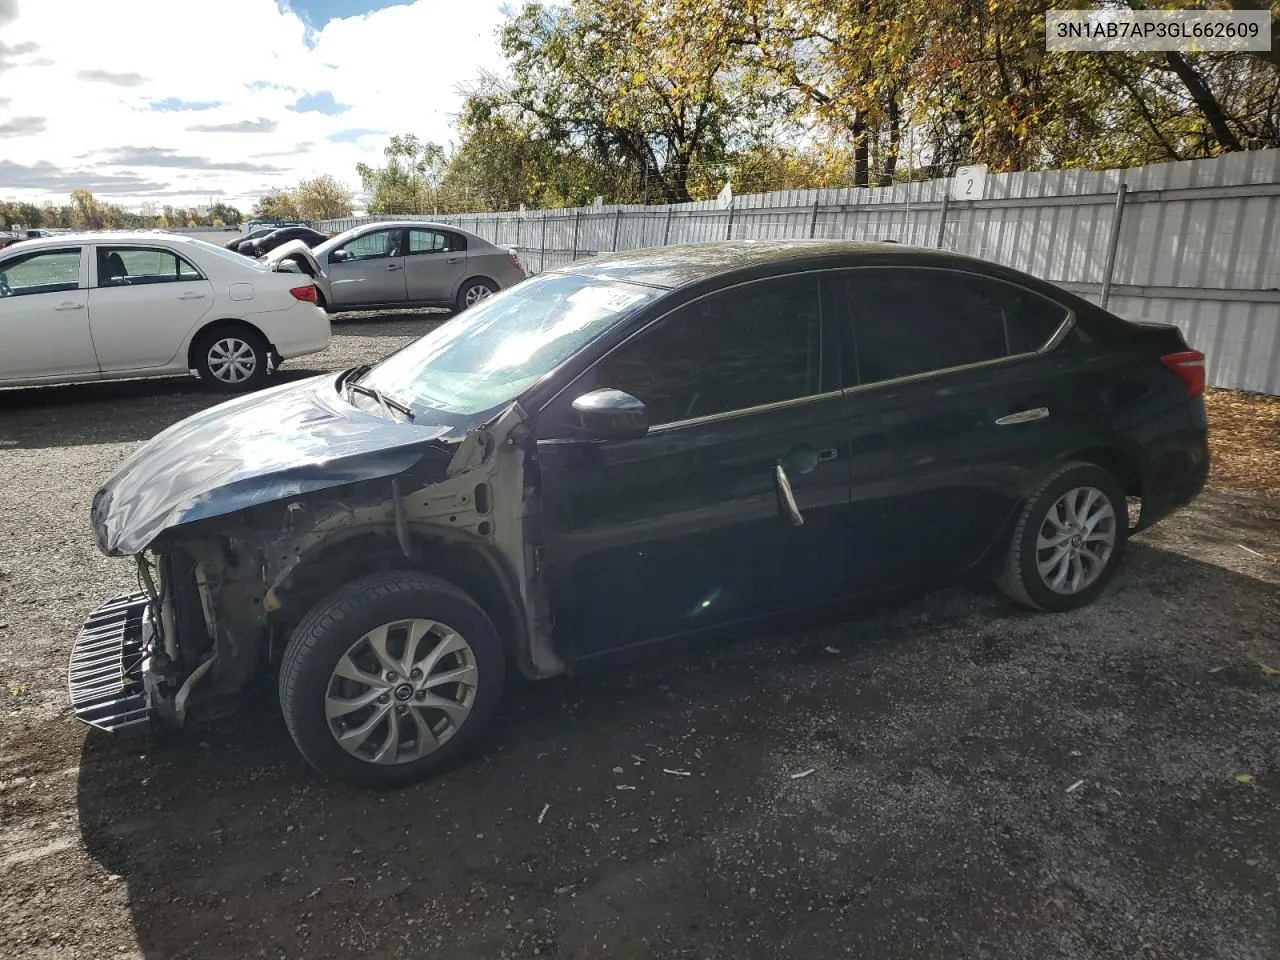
[
  {"x": 302, "y": 329},
  {"x": 1174, "y": 477},
  {"x": 109, "y": 660}
]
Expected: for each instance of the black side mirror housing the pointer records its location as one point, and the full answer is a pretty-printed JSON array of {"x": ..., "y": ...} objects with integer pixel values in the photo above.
[{"x": 609, "y": 414}]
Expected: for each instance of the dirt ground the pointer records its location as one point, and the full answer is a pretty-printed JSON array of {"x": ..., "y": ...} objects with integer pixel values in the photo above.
[{"x": 943, "y": 777}]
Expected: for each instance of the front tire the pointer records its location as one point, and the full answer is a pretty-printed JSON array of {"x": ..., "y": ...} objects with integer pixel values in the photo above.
[
  {"x": 1068, "y": 540},
  {"x": 391, "y": 679},
  {"x": 232, "y": 358}
]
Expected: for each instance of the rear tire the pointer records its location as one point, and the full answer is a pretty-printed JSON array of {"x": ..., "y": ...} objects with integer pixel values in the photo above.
[
  {"x": 232, "y": 358},
  {"x": 335, "y": 637},
  {"x": 475, "y": 290},
  {"x": 1068, "y": 540}
]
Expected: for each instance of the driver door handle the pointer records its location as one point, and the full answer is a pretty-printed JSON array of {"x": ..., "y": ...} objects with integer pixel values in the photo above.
[
  {"x": 392, "y": 266},
  {"x": 69, "y": 306},
  {"x": 1024, "y": 416},
  {"x": 192, "y": 296},
  {"x": 786, "y": 498},
  {"x": 454, "y": 260}
]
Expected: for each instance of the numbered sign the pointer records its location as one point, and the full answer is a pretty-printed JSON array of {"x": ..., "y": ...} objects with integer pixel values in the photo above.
[{"x": 969, "y": 183}]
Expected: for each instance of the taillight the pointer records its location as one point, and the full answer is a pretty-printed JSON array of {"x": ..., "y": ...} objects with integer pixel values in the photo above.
[
  {"x": 307, "y": 293},
  {"x": 1189, "y": 365},
  {"x": 515, "y": 257}
]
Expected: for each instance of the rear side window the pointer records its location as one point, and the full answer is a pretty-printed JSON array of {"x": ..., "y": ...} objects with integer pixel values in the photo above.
[
  {"x": 742, "y": 348},
  {"x": 435, "y": 241},
  {"x": 913, "y": 321},
  {"x": 53, "y": 271},
  {"x": 137, "y": 266}
]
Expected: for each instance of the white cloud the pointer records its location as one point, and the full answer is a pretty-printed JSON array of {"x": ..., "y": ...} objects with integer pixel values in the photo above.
[{"x": 202, "y": 117}]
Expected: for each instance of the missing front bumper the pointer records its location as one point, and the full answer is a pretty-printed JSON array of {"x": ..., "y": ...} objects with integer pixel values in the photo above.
[{"x": 108, "y": 661}]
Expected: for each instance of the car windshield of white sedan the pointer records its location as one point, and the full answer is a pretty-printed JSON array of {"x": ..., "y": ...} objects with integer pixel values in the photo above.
[{"x": 501, "y": 346}]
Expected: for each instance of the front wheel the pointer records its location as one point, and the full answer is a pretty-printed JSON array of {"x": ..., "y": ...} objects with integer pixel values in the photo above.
[
  {"x": 232, "y": 358},
  {"x": 1068, "y": 540},
  {"x": 391, "y": 679},
  {"x": 475, "y": 290}
]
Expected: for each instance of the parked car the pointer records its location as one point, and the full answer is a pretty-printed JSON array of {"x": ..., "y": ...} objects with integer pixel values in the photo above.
[
  {"x": 102, "y": 306},
  {"x": 404, "y": 264},
  {"x": 258, "y": 246},
  {"x": 625, "y": 453},
  {"x": 236, "y": 243},
  {"x": 9, "y": 238}
]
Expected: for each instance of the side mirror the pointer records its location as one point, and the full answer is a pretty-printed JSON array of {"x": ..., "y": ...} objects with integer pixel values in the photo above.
[
  {"x": 337, "y": 256},
  {"x": 611, "y": 415}
]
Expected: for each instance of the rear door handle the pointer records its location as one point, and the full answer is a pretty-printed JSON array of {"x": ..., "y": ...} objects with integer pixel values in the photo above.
[
  {"x": 786, "y": 498},
  {"x": 1024, "y": 416},
  {"x": 192, "y": 296},
  {"x": 69, "y": 306}
]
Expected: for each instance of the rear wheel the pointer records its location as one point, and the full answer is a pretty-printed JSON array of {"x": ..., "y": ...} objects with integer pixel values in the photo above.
[
  {"x": 1068, "y": 539},
  {"x": 391, "y": 679},
  {"x": 475, "y": 290},
  {"x": 232, "y": 358}
]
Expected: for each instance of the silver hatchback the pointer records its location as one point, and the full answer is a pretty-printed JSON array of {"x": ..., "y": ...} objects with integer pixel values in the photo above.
[{"x": 408, "y": 263}]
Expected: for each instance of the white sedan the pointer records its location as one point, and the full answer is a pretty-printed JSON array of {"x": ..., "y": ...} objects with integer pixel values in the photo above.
[{"x": 103, "y": 306}]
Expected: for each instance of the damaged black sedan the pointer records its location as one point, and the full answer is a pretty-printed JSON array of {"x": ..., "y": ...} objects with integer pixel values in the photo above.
[{"x": 627, "y": 452}]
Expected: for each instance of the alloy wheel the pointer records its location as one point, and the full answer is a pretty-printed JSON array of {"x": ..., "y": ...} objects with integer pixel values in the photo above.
[
  {"x": 232, "y": 360},
  {"x": 475, "y": 293},
  {"x": 1076, "y": 540},
  {"x": 401, "y": 691}
]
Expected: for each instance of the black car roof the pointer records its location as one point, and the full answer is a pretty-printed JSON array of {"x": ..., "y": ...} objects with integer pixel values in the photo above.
[{"x": 679, "y": 265}]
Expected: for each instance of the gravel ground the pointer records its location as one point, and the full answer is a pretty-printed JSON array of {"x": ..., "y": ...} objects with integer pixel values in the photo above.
[{"x": 944, "y": 777}]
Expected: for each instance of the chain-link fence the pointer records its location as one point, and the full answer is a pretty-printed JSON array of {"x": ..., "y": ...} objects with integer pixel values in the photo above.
[{"x": 1195, "y": 243}]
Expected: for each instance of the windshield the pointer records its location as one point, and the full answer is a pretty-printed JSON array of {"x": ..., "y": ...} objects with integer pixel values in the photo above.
[{"x": 494, "y": 351}]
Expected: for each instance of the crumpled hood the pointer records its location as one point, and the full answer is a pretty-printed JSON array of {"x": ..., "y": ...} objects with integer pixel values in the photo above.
[
  {"x": 277, "y": 443},
  {"x": 292, "y": 248}
]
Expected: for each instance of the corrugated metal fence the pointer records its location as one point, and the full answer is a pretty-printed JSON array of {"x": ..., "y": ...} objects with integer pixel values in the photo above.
[{"x": 1196, "y": 243}]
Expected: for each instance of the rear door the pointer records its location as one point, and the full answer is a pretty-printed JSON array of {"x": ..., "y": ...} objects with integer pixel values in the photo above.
[
  {"x": 369, "y": 270},
  {"x": 44, "y": 323},
  {"x": 959, "y": 369},
  {"x": 684, "y": 529},
  {"x": 435, "y": 263},
  {"x": 144, "y": 302}
]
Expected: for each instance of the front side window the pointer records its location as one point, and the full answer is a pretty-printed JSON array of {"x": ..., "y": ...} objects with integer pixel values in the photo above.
[
  {"x": 137, "y": 266},
  {"x": 753, "y": 345},
  {"x": 489, "y": 355},
  {"x": 913, "y": 321},
  {"x": 435, "y": 241},
  {"x": 55, "y": 271},
  {"x": 371, "y": 246}
]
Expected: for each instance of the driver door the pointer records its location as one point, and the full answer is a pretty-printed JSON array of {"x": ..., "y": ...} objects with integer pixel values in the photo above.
[
  {"x": 44, "y": 320},
  {"x": 684, "y": 529},
  {"x": 369, "y": 269}
]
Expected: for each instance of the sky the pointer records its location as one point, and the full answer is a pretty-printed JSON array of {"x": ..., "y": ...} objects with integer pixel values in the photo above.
[{"x": 186, "y": 101}]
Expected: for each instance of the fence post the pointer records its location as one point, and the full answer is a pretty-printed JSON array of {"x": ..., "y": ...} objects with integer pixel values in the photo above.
[
  {"x": 666, "y": 231},
  {"x": 519, "y": 220},
  {"x": 728, "y": 227},
  {"x": 813, "y": 220},
  {"x": 617, "y": 222},
  {"x": 542, "y": 258},
  {"x": 1112, "y": 243},
  {"x": 942, "y": 219},
  {"x": 577, "y": 220}
]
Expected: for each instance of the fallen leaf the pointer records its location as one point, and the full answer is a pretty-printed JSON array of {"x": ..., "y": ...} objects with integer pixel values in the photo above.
[
  {"x": 1244, "y": 777},
  {"x": 1269, "y": 671}
]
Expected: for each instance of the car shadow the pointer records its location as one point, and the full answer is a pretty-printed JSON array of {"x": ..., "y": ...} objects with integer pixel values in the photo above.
[{"x": 770, "y": 798}]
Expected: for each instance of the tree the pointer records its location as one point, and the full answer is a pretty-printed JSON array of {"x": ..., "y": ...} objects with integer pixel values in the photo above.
[
  {"x": 652, "y": 84},
  {"x": 276, "y": 205},
  {"x": 229, "y": 215},
  {"x": 410, "y": 180},
  {"x": 322, "y": 198}
]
